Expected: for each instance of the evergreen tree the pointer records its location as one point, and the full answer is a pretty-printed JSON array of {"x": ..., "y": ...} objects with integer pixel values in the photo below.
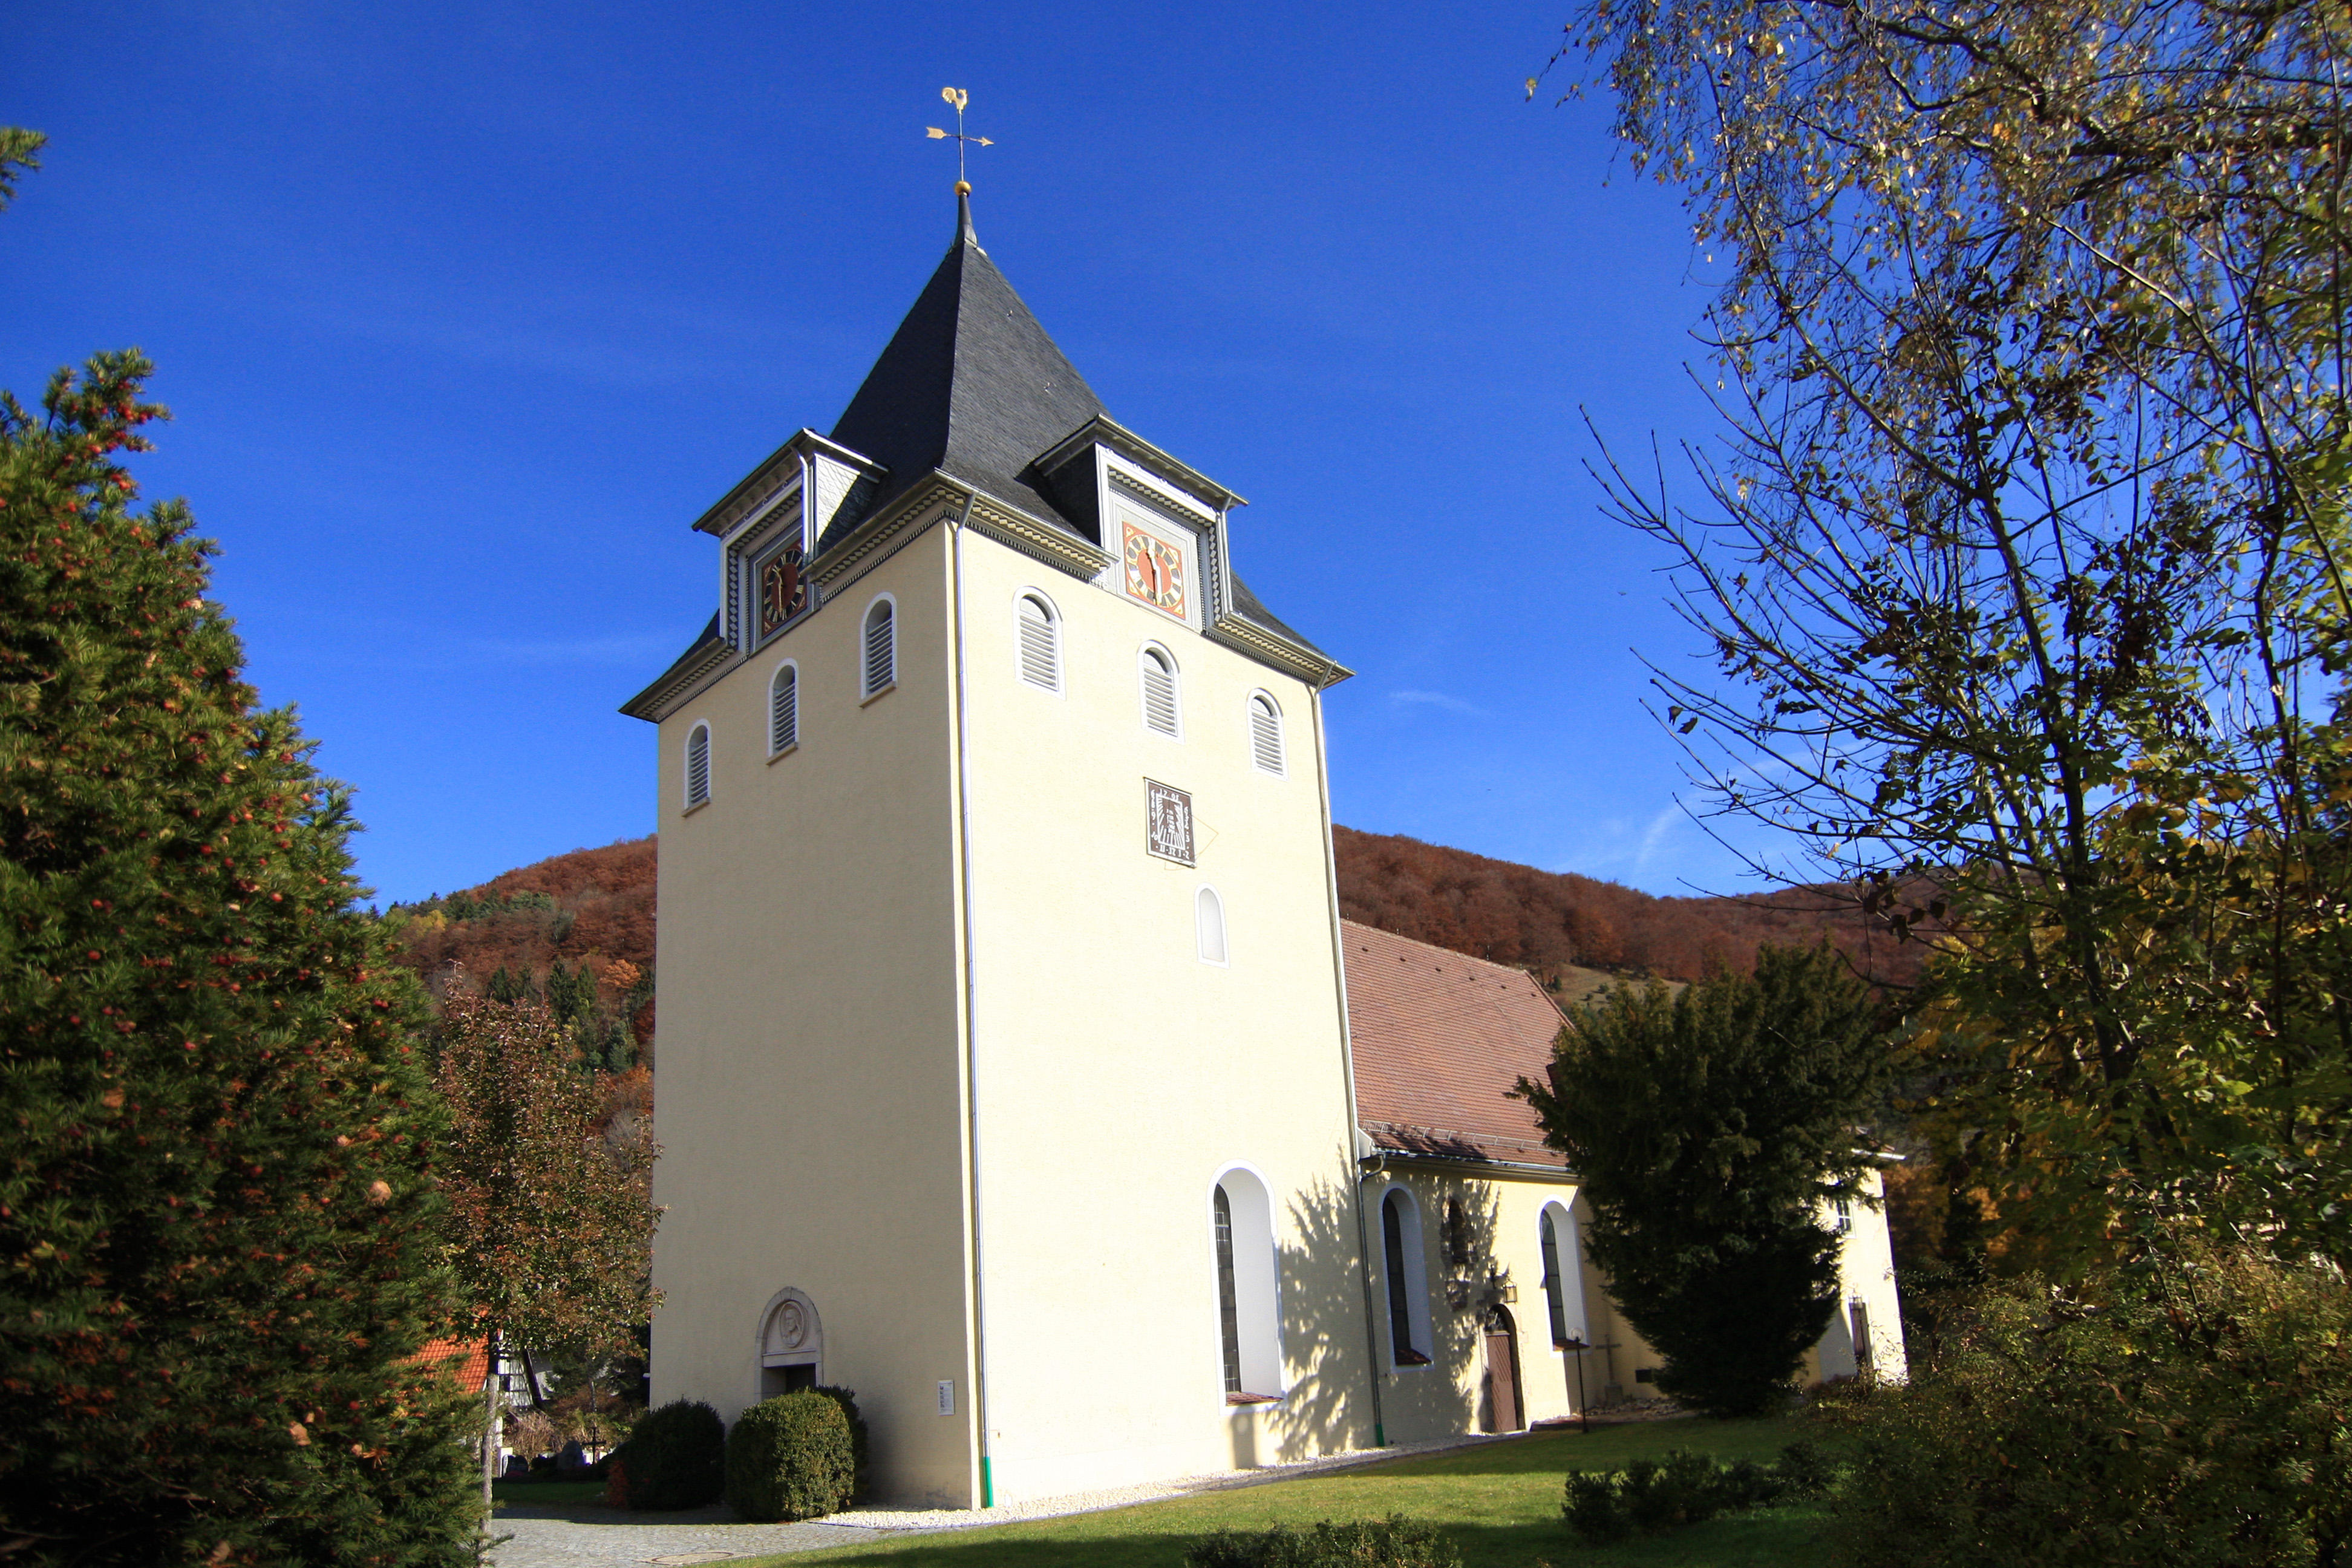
[
  {"x": 219, "y": 1226},
  {"x": 1710, "y": 1127}
]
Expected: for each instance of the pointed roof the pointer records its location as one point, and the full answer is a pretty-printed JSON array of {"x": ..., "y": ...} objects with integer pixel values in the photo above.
[{"x": 970, "y": 383}]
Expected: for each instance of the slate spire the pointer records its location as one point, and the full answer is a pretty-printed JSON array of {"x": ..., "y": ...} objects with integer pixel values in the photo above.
[{"x": 968, "y": 384}]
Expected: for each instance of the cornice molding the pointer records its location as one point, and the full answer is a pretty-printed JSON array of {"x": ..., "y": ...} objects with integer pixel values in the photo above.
[
  {"x": 1269, "y": 647},
  {"x": 681, "y": 682}
]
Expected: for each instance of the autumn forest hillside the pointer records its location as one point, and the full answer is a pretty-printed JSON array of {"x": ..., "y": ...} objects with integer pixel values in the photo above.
[{"x": 578, "y": 928}]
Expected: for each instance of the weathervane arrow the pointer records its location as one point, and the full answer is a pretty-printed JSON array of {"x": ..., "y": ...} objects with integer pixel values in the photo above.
[{"x": 958, "y": 96}]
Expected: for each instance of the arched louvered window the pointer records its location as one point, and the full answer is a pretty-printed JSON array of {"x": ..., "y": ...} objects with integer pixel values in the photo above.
[
  {"x": 1161, "y": 712},
  {"x": 1039, "y": 635},
  {"x": 1266, "y": 733},
  {"x": 1209, "y": 918},
  {"x": 783, "y": 709},
  {"x": 880, "y": 668},
  {"x": 698, "y": 765}
]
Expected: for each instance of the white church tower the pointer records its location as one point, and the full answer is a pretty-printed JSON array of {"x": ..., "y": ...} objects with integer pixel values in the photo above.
[{"x": 1002, "y": 1069}]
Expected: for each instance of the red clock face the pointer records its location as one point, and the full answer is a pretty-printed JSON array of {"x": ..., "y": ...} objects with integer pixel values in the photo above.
[
  {"x": 783, "y": 593},
  {"x": 1155, "y": 571}
]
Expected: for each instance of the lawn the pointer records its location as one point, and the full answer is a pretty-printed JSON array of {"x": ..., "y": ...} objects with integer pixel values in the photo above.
[{"x": 1499, "y": 1501}]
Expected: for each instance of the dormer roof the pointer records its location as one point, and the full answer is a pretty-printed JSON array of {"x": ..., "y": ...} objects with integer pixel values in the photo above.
[{"x": 970, "y": 385}]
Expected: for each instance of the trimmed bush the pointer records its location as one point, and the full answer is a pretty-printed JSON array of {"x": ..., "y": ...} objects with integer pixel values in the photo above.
[
  {"x": 1649, "y": 1497},
  {"x": 791, "y": 1457},
  {"x": 847, "y": 1399},
  {"x": 1393, "y": 1542},
  {"x": 676, "y": 1458}
]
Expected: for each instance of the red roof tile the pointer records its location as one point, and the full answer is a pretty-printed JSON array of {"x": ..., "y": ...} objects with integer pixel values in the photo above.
[
  {"x": 1439, "y": 1041},
  {"x": 467, "y": 1361}
]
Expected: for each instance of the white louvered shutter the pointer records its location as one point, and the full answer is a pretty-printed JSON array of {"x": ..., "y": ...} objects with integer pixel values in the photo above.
[
  {"x": 698, "y": 765},
  {"x": 881, "y": 653},
  {"x": 785, "y": 710},
  {"x": 1265, "y": 736},
  {"x": 1159, "y": 692},
  {"x": 1040, "y": 646}
]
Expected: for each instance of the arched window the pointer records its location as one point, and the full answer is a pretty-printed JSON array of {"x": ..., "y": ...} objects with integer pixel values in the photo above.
[
  {"x": 1161, "y": 712},
  {"x": 783, "y": 709},
  {"x": 1408, "y": 1283},
  {"x": 1563, "y": 1276},
  {"x": 1266, "y": 733},
  {"x": 1209, "y": 924},
  {"x": 1249, "y": 1312},
  {"x": 880, "y": 670},
  {"x": 1038, "y": 635},
  {"x": 698, "y": 765}
]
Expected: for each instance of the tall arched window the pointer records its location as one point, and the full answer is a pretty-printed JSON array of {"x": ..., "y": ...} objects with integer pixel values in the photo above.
[
  {"x": 1408, "y": 1284},
  {"x": 1209, "y": 924},
  {"x": 1563, "y": 1276},
  {"x": 1039, "y": 636},
  {"x": 698, "y": 765},
  {"x": 879, "y": 670},
  {"x": 783, "y": 709},
  {"x": 1249, "y": 1310},
  {"x": 1266, "y": 734},
  {"x": 1161, "y": 712}
]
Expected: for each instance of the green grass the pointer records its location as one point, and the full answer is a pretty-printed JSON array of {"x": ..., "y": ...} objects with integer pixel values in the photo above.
[
  {"x": 1499, "y": 1501},
  {"x": 547, "y": 1491}
]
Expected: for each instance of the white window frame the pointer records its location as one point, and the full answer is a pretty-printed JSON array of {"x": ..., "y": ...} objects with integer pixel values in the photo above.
[
  {"x": 866, "y": 691},
  {"x": 1143, "y": 655},
  {"x": 691, "y": 803},
  {"x": 1281, "y": 769},
  {"x": 1044, "y": 601},
  {"x": 1257, "y": 1284},
  {"x": 775, "y": 675},
  {"x": 1206, "y": 893},
  {"x": 1413, "y": 1242}
]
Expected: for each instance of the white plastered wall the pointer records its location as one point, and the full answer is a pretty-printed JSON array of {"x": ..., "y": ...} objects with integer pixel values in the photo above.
[
  {"x": 1866, "y": 1275},
  {"x": 809, "y": 1101},
  {"x": 1117, "y": 1075}
]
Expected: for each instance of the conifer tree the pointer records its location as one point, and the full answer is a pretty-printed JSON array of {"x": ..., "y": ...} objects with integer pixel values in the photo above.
[
  {"x": 218, "y": 1224},
  {"x": 1710, "y": 1127}
]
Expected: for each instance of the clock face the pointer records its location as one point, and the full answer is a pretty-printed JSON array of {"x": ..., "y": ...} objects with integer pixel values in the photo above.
[
  {"x": 1155, "y": 571},
  {"x": 783, "y": 592}
]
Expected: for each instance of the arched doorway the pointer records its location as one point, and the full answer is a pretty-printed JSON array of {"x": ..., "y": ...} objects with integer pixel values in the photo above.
[
  {"x": 1506, "y": 1410},
  {"x": 792, "y": 1344}
]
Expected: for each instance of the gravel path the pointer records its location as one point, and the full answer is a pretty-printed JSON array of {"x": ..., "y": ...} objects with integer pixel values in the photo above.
[{"x": 591, "y": 1537}]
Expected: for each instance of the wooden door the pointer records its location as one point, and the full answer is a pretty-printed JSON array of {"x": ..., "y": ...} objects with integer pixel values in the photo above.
[{"x": 1503, "y": 1373}]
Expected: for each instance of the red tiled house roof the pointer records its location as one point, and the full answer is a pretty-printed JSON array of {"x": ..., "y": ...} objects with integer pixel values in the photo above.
[
  {"x": 467, "y": 1361},
  {"x": 1439, "y": 1041}
]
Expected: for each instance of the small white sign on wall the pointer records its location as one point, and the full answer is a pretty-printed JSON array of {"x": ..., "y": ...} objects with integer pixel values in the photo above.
[{"x": 947, "y": 1396}]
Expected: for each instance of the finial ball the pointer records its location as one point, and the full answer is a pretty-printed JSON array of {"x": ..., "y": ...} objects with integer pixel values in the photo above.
[{"x": 963, "y": 187}]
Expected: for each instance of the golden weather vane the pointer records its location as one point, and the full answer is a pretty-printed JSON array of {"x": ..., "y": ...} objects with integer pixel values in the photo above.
[{"x": 958, "y": 96}]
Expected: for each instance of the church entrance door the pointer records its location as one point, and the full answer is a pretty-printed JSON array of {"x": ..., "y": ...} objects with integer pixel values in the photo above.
[{"x": 1502, "y": 1372}]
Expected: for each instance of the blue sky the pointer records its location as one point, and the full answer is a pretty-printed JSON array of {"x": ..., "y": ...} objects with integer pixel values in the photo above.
[{"x": 465, "y": 313}]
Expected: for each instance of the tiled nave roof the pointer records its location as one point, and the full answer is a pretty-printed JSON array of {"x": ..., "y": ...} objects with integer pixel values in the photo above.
[{"x": 1440, "y": 1039}]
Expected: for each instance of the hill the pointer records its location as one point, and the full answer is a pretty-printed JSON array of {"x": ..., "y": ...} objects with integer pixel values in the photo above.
[{"x": 578, "y": 928}]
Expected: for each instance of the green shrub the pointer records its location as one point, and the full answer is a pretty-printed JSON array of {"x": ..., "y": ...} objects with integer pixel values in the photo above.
[
  {"x": 2190, "y": 1414},
  {"x": 1649, "y": 1497},
  {"x": 1393, "y": 1542},
  {"x": 847, "y": 1399},
  {"x": 791, "y": 1457},
  {"x": 676, "y": 1458}
]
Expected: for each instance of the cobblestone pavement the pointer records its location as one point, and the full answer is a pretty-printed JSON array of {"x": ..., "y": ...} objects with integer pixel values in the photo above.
[{"x": 589, "y": 1536}]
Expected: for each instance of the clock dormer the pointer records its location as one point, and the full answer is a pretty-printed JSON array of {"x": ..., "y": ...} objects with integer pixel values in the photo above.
[{"x": 769, "y": 527}]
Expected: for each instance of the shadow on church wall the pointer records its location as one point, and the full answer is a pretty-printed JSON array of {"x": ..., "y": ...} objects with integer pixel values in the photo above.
[{"x": 1328, "y": 1404}]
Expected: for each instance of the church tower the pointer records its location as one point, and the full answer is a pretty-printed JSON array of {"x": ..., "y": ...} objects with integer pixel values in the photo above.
[{"x": 1002, "y": 1069}]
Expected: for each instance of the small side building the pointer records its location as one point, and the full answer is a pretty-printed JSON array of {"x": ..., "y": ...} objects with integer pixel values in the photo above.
[{"x": 1490, "y": 1318}]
